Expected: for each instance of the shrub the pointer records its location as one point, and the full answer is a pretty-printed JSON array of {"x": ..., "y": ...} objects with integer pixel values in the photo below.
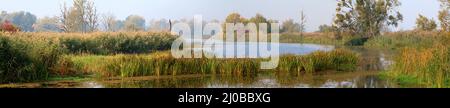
[{"x": 9, "y": 27}]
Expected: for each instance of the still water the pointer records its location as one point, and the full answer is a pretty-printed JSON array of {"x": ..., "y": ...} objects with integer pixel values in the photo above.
[{"x": 366, "y": 77}]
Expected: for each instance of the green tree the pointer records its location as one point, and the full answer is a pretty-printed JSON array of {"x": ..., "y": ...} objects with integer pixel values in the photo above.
[
  {"x": 258, "y": 18},
  {"x": 135, "y": 23},
  {"x": 235, "y": 18},
  {"x": 425, "y": 24},
  {"x": 366, "y": 18}
]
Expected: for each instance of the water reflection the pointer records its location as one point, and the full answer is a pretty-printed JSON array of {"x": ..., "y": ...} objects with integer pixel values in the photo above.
[{"x": 334, "y": 80}]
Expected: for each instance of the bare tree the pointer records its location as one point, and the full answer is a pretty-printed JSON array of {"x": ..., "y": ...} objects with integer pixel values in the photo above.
[
  {"x": 81, "y": 17},
  {"x": 302, "y": 24},
  {"x": 63, "y": 18},
  {"x": 109, "y": 22},
  {"x": 91, "y": 17}
]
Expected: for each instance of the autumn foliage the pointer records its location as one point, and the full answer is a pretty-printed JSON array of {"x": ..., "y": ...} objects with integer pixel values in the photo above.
[{"x": 7, "y": 26}]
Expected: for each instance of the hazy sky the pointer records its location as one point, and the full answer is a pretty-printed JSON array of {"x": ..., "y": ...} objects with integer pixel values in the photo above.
[{"x": 318, "y": 11}]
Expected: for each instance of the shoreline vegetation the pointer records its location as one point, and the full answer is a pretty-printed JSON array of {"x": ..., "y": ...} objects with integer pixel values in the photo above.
[
  {"x": 43, "y": 56},
  {"x": 421, "y": 57},
  {"x": 81, "y": 42},
  {"x": 161, "y": 63}
]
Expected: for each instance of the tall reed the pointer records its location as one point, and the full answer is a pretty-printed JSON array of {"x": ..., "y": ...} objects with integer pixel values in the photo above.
[
  {"x": 24, "y": 60},
  {"x": 162, "y": 63},
  {"x": 429, "y": 67}
]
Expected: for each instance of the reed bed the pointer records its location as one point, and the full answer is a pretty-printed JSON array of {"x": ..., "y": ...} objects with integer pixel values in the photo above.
[
  {"x": 27, "y": 60},
  {"x": 400, "y": 40},
  {"x": 162, "y": 63},
  {"x": 27, "y": 57},
  {"x": 429, "y": 67},
  {"x": 104, "y": 43}
]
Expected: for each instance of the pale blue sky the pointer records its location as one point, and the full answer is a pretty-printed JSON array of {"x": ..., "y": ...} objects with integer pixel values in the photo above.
[{"x": 318, "y": 11}]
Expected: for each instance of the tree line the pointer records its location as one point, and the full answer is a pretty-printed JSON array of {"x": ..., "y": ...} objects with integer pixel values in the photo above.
[{"x": 361, "y": 18}]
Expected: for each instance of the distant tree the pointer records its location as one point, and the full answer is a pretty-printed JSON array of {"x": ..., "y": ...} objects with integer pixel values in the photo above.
[
  {"x": 47, "y": 24},
  {"x": 109, "y": 22},
  {"x": 159, "y": 25},
  {"x": 81, "y": 17},
  {"x": 235, "y": 18},
  {"x": 258, "y": 18},
  {"x": 289, "y": 26},
  {"x": 444, "y": 15},
  {"x": 425, "y": 24},
  {"x": 366, "y": 18},
  {"x": 23, "y": 20},
  {"x": 134, "y": 23},
  {"x": 119, "y": 25},
  {"x": 325, "y": 28}
]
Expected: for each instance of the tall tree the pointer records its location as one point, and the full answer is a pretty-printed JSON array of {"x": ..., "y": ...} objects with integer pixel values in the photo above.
[
  {"x": 81, "y": 17},
  {"x": 425, "y": 24},
  {"x": 91, "y": 17},
  {"x": 302, "y": 23},
  {"x": 366, "y": 18}
]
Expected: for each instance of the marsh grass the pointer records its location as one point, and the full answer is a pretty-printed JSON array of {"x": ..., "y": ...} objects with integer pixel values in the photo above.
[
  {"x": 27, "y": 57},
  {"x": 412, "y": 39},
  {"x": 103, "y": 43},
  {"x": 162, "y": 63},
  {"x": 422, "y": 57},
  {"x": 429, "y": 66},
  {"x": 25, "y": 60}
]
